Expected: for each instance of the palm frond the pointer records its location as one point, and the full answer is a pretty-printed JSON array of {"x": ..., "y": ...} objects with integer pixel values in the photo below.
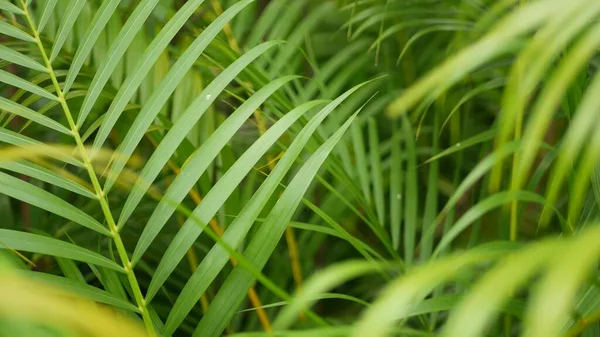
[{"x": 156, "y": 152}]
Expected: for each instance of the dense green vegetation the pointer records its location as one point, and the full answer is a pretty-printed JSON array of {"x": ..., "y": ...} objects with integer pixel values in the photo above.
[{"x": 299, "y": 168}]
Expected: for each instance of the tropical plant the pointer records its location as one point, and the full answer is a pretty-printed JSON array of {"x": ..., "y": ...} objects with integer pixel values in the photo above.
[{"x": 431, "y": 165}]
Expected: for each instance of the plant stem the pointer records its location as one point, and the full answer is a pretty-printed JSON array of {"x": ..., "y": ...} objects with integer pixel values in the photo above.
[{"x": 96, "y": 184}]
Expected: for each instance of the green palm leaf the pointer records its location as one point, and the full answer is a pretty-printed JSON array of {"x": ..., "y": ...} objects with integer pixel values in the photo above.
[
  {"x": 36, "y": 196},
  {"x": 114, "y": 54},
  {"x": 15, "y": 57},
  {"x": 400, "y": 227},
  {"x": 182, "y": 126},
  {"x": 262, "y": 245},
  {"x": 44, "y": 245}
]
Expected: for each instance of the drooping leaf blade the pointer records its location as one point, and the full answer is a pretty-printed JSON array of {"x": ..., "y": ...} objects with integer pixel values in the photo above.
[
  {"x": 15, "y": 57},
  {"x": 83, "y": 290},
  {"x": 5, "y": 5},
  {"x": 19, "y": 82},
  {"x": 20, "y": 110},
  {"x": 17, "y": 139},
  {"x": 41, "y": 173},
  {"x": 49, "y": 246},
  {"x": 36, "y": 196},
  {"x": 10, "y": 30}
]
